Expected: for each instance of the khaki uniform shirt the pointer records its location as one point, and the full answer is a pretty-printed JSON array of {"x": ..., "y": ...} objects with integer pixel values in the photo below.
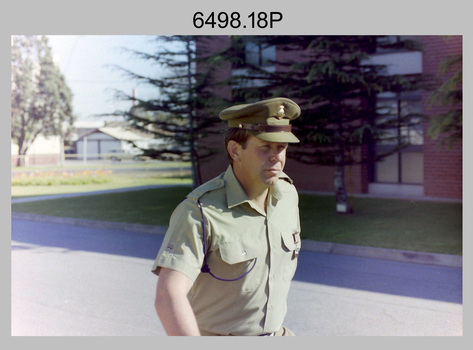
[{"x": 239, "y": 236}]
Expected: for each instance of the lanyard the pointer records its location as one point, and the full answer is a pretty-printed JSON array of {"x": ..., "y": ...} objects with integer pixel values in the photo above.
[{"x": 205, "y": 267}]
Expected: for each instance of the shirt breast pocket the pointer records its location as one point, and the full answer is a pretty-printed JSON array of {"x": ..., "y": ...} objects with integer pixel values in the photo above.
[{"x": 235, "y": 262}]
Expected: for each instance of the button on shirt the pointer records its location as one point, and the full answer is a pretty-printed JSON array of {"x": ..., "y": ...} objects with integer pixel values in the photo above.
[{"x": 239, "y": 236}]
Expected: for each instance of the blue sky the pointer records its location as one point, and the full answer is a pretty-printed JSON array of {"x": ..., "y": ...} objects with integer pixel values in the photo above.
[{"x": 83, "y": 60}]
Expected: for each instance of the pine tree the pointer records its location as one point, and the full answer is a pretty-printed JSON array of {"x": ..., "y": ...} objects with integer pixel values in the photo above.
[
  {"x": 41, "y": 101},
  {"x": 448, "y": 126},
  {"x": 174, "y": 115}
]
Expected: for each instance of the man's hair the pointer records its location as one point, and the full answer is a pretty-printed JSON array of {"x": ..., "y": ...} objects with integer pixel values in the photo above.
[{"x": 238, "y": 135}]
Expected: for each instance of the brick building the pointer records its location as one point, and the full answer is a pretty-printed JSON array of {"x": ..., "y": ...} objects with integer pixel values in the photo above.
[
  {"x": 442, "y": 166},
  {"x": 422, "y": 169}
]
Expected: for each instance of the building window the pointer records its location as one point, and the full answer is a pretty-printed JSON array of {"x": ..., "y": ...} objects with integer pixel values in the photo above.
[
  {"x": 396, "y": 43},
  {"x": 253, "y": 53},
  {"x": 259, "y": 54},
  {"x": 401, "y": 114}
]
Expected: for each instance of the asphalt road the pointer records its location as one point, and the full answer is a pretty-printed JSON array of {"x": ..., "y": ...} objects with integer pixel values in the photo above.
[{"x": 70, "y": 280}]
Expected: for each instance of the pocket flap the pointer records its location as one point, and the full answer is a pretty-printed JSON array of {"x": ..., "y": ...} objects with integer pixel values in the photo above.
[
  {"x": 289, "y": 241},
  {"x": 236, "y": 252}
]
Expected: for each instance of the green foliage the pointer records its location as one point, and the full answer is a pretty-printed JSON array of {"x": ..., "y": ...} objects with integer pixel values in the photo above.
[
  {"x": 448, "y": 125},
  {"x": 175, "y": 116}
]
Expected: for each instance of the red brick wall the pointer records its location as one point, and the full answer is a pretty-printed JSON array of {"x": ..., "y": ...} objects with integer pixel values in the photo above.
[
  {"x": 213, "y": 166},
  {"x": 320, "y": 178},
  {"x": 207, "y": 45},
  {"x": 442, "y": 165}
]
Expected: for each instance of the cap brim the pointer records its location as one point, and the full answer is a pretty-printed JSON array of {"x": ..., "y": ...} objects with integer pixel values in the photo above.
[{"x": 285, "y": 137}]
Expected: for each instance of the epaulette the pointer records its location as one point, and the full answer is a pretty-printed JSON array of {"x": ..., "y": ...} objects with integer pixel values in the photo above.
[{"x": 211, "y": 185}]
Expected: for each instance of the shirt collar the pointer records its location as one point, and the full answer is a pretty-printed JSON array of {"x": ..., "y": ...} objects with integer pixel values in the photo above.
[{"x": 236, "y": 195}]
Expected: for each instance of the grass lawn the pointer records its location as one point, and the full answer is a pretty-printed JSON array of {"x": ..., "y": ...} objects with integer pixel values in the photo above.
[
  {"x": 388, "y": 223},
  {"x": 118, "y": 181},
  {"x": 399, "y": 224},
  {"x": 151, "y": 207}
]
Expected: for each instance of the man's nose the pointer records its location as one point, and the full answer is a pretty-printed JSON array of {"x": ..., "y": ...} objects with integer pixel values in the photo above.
[{"x": 276, "y": 156}]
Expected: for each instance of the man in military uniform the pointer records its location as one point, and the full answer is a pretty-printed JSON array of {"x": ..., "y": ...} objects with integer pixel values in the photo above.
[{"x": 231, "y": 249}]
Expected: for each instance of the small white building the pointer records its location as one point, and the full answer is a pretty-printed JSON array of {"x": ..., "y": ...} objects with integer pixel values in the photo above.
[
  {"x": 43, "y": 150},
  {"x": 113, "y": 138}
]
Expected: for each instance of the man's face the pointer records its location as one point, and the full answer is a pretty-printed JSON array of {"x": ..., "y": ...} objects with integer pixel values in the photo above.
[{"x": 262, "y": 161}]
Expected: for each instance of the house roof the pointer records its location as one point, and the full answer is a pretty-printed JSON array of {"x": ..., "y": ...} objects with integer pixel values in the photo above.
[
  {"x": 124, "y": 133},
  {"x": 80, "y": 132},
  {"x": 120, "y": 131}
]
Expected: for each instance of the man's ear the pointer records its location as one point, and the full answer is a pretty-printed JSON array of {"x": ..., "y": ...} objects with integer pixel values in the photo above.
[{"x": 234, "y": 149}]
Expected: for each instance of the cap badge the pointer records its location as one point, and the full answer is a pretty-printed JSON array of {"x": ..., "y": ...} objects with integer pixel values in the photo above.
[{"x": 281, "y": 113}]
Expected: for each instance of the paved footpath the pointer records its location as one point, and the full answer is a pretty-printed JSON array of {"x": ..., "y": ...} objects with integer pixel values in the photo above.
[{"x": 74, "y": 279}]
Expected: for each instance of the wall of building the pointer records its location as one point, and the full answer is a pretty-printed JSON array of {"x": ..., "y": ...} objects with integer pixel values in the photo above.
[
  {"x": 44, "y": 150},
  {"x": 97, "y": 144},
  {"x": 442, "y": 166},
  {"x": 211, "y": 167}
]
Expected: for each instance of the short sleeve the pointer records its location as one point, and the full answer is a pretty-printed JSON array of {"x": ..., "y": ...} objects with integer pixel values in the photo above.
[{"x": 182, "y": 247}]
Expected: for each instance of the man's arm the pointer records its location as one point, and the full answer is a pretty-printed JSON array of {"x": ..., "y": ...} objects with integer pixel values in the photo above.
[{"x": 172, "y": 305}]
